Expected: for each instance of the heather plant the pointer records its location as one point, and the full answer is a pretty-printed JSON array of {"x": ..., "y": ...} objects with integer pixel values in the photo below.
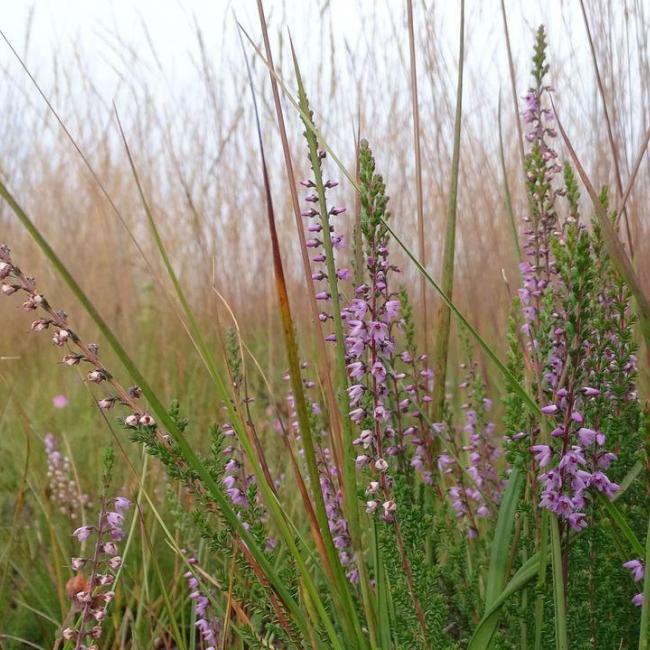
[{"x": 356, "y": 496}]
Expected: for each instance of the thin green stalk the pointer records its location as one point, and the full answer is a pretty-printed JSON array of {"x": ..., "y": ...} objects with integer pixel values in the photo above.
[
  {"x": 541, "y": 579},
  {"x": 506, "y": 186},
  {"x": 644, "y": 630},
  {"x": 559, "y": 594},
  {"x": 418, "y": 171},
  {"x": 351, "y": 506},
  {"x": 342, "y": 593},
  {"x": 443, "y": 324}
]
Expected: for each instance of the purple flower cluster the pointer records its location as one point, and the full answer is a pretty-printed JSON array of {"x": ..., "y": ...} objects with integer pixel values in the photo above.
[
  {"x": 207, "y": 623},
  {"x": 637, "y": 569},
  {"x": 95, "y": 593},
  {"x": 62, "y": 489},
  {"x": 369, "y": 319},
  {"x": 477, "y": 487},
  {"x": 337, "y": 523},
  {"x": 234, "y": 480},
  {"x": 579, "y": 462},
  {"x": 541, "y": 222}
]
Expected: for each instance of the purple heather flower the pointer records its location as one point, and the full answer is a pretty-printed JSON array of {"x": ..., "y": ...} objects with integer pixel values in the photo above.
[
  {"x": 637, "y": 569},
  {"x": 542, "y": 453}
]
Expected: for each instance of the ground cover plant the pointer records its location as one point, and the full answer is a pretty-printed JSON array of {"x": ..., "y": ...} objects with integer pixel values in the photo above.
[{"x": 353, "y": 459}]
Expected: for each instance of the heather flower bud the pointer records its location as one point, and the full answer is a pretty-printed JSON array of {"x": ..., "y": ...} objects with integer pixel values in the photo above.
[
  {"x": 5, "y": 270},
  {"x": 381, "y": 465},
  {"x": 107, "y": 403},
  {"x": 61, "y": 337},
  {"x": 8, "y": 289},
  {"x": 110, "y": 548},
  {"x": 69, "y": 633},
  {"x": 96, "y": 376},
  {"x": 373, "y": 486},
  {"x": 131, "y": 420},
  {"x": 72, "y": 359},
  {"x": 135, "y": 392},
  {"x": 40, "y": 324},
  {"x": 121, "y": 504},
  {"x": 83, "y": 533},
  {"x": 371, "y": 506},
  {"x": 147, "y": 421}
]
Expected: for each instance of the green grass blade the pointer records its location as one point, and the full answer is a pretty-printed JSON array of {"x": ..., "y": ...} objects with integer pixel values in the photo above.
[
  {"x": 559, "y": 596},
  {"x": 158, "y": 409},
  {"x": 442, "y": 325},
  {"x": 343, "y": 598},
  {"x": 620, "y": 522},
  {"x": 485, "y": 630},
  {"x": 500, "y": 549},
  {"x": 506, "y": 186}
]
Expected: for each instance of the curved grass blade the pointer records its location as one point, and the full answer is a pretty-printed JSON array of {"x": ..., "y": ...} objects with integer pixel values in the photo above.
[
  {"x": 418, "y": 170},
  {"x": 159, "y": 410},
  {"x": 615, "y": 248},
  {"x": 500, "y": 543},
  {"x": 485, "y": 630},
  {"x": 443, "y": 321},
  {"x": 559, "y": 595},
  {"x": 323, "y": 359}
]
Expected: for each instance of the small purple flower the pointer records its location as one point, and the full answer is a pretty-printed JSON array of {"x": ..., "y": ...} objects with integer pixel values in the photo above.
[
  {"x": 542, "y": 453},
  {"x": 83, "y": 533},
  {"x": 636, "y": 568}
]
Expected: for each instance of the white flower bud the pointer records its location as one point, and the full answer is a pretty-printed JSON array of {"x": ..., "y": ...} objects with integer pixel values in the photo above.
[
  {"x": 5, "y": 270},
  {"x": 373, "y": 486},
  {"x": 131, "y": 420},
  {"x": 381, "y": 465}
]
